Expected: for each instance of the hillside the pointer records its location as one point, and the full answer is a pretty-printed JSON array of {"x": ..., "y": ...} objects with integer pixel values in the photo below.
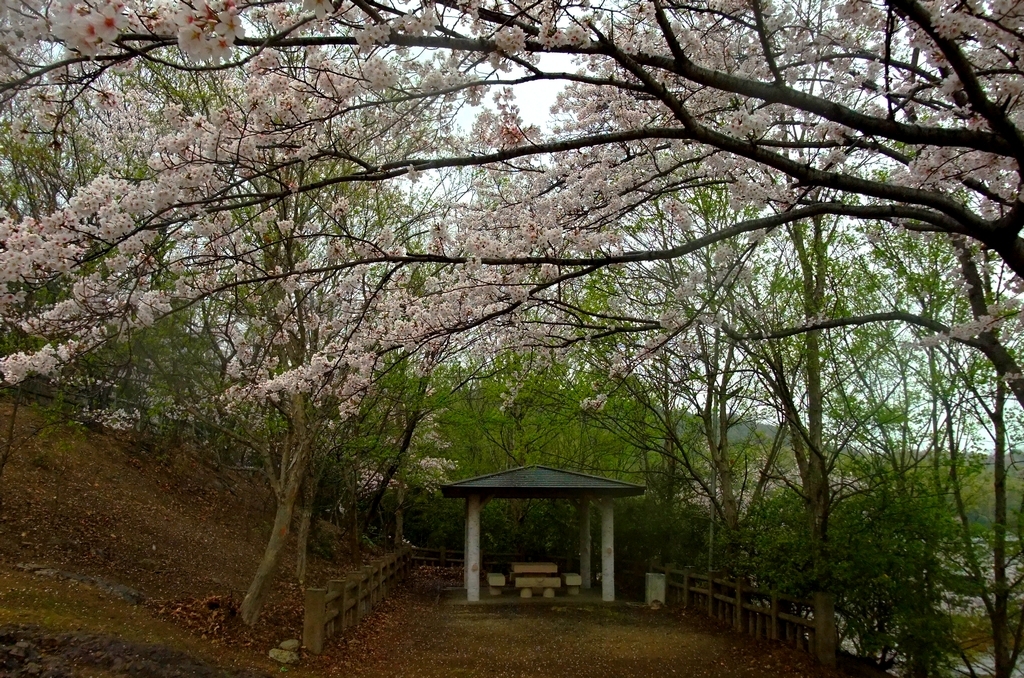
[
  {"x": 109, "y": 508},
  {"x": 106, "y": 504}
]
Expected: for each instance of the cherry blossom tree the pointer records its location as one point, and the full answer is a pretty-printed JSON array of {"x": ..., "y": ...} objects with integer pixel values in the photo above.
[
  {"x": 901, "y": 111},
  {"x": 895, "y": 115}
]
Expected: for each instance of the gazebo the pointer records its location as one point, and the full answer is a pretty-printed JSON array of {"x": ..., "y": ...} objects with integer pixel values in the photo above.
[{"x": 542, "y": 482}]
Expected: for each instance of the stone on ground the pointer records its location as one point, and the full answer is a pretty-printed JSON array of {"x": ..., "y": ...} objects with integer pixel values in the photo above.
[
  {"x": 284, "y": 656},
  {"x": 291, "y": 645}
]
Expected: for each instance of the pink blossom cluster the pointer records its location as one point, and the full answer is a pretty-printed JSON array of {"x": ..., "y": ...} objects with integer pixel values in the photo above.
[
  {"x": 86, "y": 29},
  {"x": 207, "y": 32}
]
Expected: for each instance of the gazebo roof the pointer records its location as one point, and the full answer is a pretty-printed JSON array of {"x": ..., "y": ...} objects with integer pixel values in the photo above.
[{"x": 541, "y": 482}]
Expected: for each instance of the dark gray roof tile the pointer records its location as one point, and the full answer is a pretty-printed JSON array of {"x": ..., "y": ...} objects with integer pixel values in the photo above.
[{"x": 541, "y": 482}]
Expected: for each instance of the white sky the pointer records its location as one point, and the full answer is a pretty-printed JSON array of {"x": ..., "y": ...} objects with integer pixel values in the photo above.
[{"x": 534, "y": 99}]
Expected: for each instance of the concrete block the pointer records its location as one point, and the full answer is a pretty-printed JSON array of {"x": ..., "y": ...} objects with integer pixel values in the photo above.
[
  {"x": 535, "y": 567},
  {"x": 495, "y": 590},
  {"x": 538, "y": 582},
  {"x": 495, "y": 579},
  {"x": 572, "y": 579},
  {"x": 526, "y": 593},
  {"x": 655, "y": 588},
  {"x": 549, "y": 593},
  {"x": 573, "y": 590}
]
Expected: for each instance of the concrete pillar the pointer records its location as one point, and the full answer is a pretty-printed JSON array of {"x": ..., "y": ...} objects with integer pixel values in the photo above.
[
  {"x": 473, "y": 548},
  {"x": 607, "y": 550},
  {"x": 585, "y": 542},
  {"x": 465, "y": 548}
]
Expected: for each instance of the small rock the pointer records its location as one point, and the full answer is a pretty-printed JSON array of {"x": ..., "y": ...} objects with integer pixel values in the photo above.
[
  {"x": 655, "y": 604},
  {"x": 33, "y": 669},
  {"x": 151, "y": 564},
  {"x": 291, "y": 645},
  {"x": 17, "y": 652},
  {"x": 284, "y": 656}
]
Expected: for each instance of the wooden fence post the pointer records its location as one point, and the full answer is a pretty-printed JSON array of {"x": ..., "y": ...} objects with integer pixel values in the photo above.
[
  {"x": 825, "y": 628},
  {"x": 775, "y": 617},
  {"x": 357, "y": 610},
  {"x": 687, "y": 598},
  {"x": 441, "y": 554},
  {"x": 368, "y": 588},
  {"x": 378, "y": 568},
  {"x": 739, "y": 616},
  {"x": 377, "y": 583},
  {"x": 343, "y": 611},
  {"x": 313, "y": 622},
  {"x": 711, "y": 592},
  {"x": 361, "y": 592},
  {"x": 334, "y": 586}
]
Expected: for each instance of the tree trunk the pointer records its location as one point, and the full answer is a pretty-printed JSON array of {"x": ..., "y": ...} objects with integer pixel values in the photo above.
[
  {"x": 1002, "y": 636},
  {"x": 721, "y": 453},
  {"x": 353, "y": 520},
  {"x": 815, "y": 473},
  {"x": 288, "y": 482},
  {"x": 399, "y": 537},
  {"x": 5, "y": 455},
  {"x": 256, "y": 596},
  {"x": 1006, "y": 636},
  {"x": 811, "y": 457},
  {"x": 412, "y": 421},
  {"x": 305, "y": 518}
]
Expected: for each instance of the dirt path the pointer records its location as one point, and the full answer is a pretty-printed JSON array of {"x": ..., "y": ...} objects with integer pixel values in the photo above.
[
  {"x": 64, "y": 629},
  {"x": 422, "y": 636}
]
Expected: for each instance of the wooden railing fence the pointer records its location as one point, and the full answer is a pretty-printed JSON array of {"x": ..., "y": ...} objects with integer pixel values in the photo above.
[
  {"x": 807, "y": 625},
  {"x": 345, "y": 601},
  {"x": 441, "y": 557}
]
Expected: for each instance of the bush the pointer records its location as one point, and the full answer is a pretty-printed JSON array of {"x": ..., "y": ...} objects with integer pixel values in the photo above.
[{"x": 884, "y": 562}]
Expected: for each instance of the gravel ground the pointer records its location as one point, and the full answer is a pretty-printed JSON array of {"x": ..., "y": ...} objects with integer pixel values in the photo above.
[{"x": 427, "y": 636}]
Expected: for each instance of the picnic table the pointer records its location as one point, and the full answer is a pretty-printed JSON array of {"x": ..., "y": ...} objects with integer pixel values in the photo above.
[
  {"x": 534, "y": 568},
  {"x": 536, "y": 578}
]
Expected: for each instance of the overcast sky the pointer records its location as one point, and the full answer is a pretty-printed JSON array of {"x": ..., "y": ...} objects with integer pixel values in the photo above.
[{"x": 535, "y": 99}]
